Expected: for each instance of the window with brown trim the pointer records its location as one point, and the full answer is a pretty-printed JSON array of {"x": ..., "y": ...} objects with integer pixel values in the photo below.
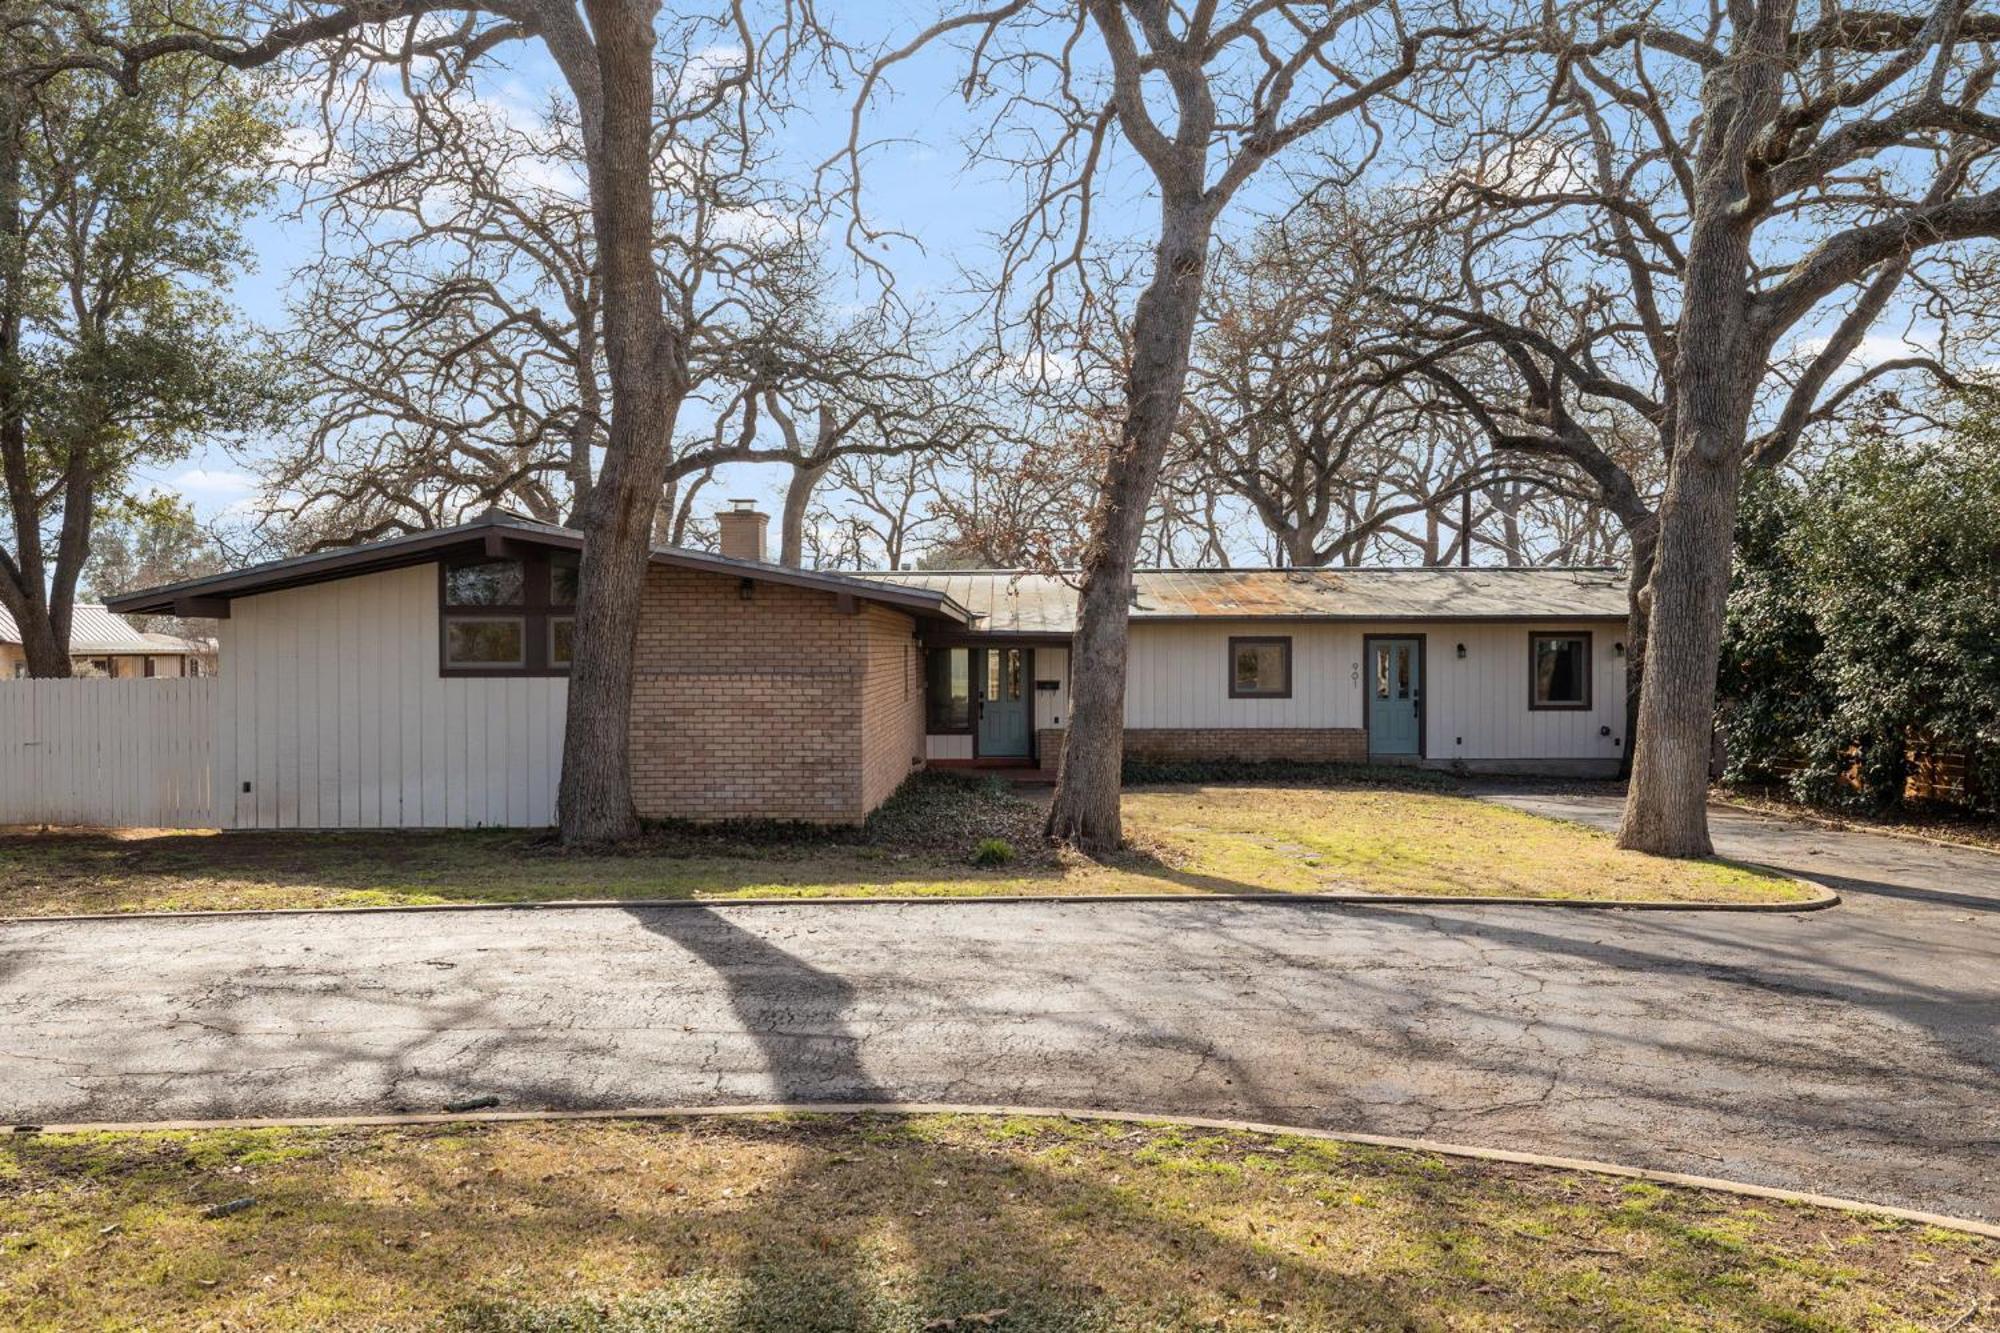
[
  {"x": 1559, "y": 670},
  {"x": 507, "y": 616},
  {"x": 948, "y": 691},
  {"x": 1260, "y": 668}
]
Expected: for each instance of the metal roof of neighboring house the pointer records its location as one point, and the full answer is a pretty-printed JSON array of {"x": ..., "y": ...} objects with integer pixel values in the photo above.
[
  {"x": 173, "y": 643},
  {"x": 1013, "y": 602},
  {"x": 208, "y": 596},
  {"x": 93, "y": 629}
]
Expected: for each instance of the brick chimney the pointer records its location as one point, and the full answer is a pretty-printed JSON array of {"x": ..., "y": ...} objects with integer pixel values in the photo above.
[{"x": 742, "y": 528}]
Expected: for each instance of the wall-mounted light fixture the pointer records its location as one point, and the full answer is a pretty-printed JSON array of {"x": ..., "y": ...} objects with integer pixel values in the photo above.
[
  {"x": 1461, "y": 650},
  {"x": 1618, "y": 648},
  {"x": 745, "y": 588}
]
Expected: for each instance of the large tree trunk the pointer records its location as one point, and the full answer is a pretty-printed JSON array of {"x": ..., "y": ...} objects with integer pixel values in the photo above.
[
  {"x": 1717, "y": 364},
  {"x": 23, "y": 584},
  {"x": 1638, "y": 622},
  {"x": 1666, "y": 810},
  {"x": 648, "y": 383},
  {"x": 806, "y": 477},
  {"x": 1085, "y": 810}
]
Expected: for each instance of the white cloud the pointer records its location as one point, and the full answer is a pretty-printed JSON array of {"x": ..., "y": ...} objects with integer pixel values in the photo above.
[
  {"x": 1873, "y": 350},
  {"x": 706, "y": 67},
  {"x": 212, "y": 484},
  {"x": 761, "y": 224}
]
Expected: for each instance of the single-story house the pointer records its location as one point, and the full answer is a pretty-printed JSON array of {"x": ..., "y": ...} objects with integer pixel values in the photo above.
[
  {"x": 102, "y": 645},
  {"x": 420, "y": 681}
]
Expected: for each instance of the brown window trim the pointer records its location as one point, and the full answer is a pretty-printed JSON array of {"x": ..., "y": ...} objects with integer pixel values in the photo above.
[
  {"x": 1284, "y": 642},
  {"x": 535, "y": 611},
  {"x": 1589, "y": 669}
]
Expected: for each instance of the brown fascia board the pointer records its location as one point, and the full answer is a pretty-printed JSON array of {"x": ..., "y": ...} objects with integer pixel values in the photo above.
[{"x": 491, "y": 535}]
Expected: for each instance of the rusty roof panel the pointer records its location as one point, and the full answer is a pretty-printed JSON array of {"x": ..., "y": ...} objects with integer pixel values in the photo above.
[{"x": 1015, "y": 602}]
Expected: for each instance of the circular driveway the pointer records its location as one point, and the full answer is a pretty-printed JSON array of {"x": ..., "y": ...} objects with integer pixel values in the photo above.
[{"x": 1854, "y": 1051}]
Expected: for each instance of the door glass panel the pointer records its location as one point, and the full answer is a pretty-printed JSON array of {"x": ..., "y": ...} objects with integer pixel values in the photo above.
[
  {"x": 1403, "y": 672},
  {"x": 1014, "y": 688},
  {"x": 1382, "y": 672},
  {"x": 993, "y": 673}
]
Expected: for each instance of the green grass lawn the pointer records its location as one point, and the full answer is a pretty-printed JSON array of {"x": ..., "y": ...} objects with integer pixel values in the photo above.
[
  {"x": 1185, "y": 839},
  {"x": 838, "y": 1224}
]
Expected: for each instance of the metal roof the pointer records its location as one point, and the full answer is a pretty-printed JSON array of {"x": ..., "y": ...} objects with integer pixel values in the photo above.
[
  {"x": 1016, "y": 602},
  {"x": 92, "y": 629},
  {"x": 424, "y": 547}
]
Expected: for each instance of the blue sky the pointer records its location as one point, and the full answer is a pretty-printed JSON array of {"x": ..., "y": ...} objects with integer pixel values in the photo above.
[{"x": 919, "y": 184}]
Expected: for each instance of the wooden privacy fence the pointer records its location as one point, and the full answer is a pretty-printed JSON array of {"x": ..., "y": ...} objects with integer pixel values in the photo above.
[{"x": 114, "y": 753}]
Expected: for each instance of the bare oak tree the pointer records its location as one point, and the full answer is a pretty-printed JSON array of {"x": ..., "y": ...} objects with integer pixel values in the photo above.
[
  {"x": 1683, "y": 226},
  {"x": 732, "y": 54},
  {"x": 1287, "y": 411},
  {"x": 1205, "y": 95}
]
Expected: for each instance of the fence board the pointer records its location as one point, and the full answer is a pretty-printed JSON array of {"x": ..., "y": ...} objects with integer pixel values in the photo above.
[{"x": 118, "y": 753}]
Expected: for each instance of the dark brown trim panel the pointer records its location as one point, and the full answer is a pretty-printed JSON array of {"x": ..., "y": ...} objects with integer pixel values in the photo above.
[
  {"x": 1589, "y": 669},
  {"x": 535, "y": 612}
]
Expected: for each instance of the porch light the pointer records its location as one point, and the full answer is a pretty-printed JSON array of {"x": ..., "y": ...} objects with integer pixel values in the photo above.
[
  {"x": 1461, "y": 650},
  {"x": 745, "y": 587},
  {"x": 1618, "y": 649}
]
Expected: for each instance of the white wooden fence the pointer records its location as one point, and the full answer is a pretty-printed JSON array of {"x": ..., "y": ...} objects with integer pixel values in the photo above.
[{"x": 114, "y": 753}]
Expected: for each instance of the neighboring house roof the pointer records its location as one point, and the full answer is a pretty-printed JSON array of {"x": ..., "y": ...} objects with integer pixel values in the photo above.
[
  {"x": 1013, "y": 602},
  {"x": 173, "y": 643},
  {"x": 92, "y": 629},
  {"x": 208, "y": 596}
]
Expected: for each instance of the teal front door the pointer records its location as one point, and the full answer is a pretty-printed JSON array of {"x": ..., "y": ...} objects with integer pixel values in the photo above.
[
  {"x": 1003, "y": 703},
  {"x": 1395, "y": 697}
]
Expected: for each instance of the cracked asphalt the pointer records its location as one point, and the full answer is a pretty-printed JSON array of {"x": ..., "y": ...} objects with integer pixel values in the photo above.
[{"x": 1851, "y": 1051}]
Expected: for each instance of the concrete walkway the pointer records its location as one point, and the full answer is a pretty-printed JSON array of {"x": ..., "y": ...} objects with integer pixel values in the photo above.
[{"x": 1854, "y": 1051}]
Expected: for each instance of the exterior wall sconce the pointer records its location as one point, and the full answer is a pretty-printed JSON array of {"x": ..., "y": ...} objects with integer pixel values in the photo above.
[
  {"x": 1461, "y": 650},
  {"x": 1618, "y": 648},
  {"x": 745, "y": 588}
]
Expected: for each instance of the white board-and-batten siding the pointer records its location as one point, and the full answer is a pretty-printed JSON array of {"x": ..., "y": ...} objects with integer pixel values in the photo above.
[
  {"x": 332, "y": 712},
  {"x": 1476, "y": 707},
  {"x": 107, "y": 753}
]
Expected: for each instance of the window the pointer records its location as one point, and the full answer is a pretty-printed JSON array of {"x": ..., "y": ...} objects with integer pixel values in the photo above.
[
  {"x": 1260, "y": 668},
  {"x": 486, "y": 583},
  {"x": 948, "y": 691},
  {"x": 563, "y": 577},
  {"x": 1559, "y": 670},
  {"x": 471, "y": 641},
  {"x": 507, "y": 616}
]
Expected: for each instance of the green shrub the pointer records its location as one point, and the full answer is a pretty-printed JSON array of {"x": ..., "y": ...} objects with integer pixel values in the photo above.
[
  {"x": 992, "y": 852},
  {"x": 1865, "y": 620}
]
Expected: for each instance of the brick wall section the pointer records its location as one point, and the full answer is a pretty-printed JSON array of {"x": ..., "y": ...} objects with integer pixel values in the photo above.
[
  {"x": 755, "y": 709},
  {"x": 1313, "y": 745},
  {"x": 892, "y": 703}
]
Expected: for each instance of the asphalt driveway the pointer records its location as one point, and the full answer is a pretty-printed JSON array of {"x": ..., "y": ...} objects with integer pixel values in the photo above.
[{"x": 1854, "y": 1051}]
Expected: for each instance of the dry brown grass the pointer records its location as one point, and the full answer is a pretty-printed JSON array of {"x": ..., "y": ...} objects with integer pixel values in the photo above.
[
  {"x": 875, "y": 1223},
  {"x": 1185, "y": 840}
]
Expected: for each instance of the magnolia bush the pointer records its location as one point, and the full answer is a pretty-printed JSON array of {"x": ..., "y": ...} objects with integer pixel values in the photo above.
[{"x": 1864, "y": 620}]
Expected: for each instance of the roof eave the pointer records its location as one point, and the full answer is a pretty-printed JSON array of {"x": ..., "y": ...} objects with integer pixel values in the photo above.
[{"x": 187, "y": 596}]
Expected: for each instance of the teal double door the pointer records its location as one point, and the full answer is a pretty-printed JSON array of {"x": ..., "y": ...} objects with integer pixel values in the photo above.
[
  {"x": 1003, "y": 694},
  {"x": 1394, "y": 680}
]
